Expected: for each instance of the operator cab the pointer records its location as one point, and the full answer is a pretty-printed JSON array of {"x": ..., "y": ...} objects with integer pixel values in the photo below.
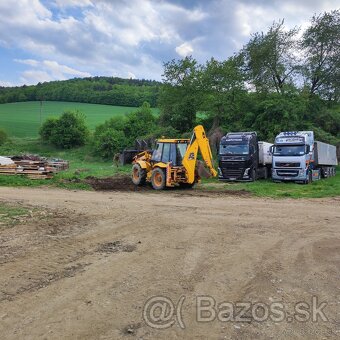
[{"x": 170, "y": 150}]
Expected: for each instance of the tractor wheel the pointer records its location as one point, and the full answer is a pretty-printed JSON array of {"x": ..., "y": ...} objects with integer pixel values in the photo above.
[
  {"x": 158, "y": 179},
  {"x": 138, "y": 175}
]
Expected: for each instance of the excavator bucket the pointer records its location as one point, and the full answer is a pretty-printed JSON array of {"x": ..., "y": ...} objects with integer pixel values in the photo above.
[{"x": 202, "y": 171}]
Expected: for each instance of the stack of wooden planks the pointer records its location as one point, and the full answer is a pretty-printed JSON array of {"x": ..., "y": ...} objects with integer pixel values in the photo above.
[{"x": 33, "y": 167}]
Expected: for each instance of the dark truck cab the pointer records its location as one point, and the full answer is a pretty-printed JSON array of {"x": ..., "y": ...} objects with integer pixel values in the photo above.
[{"x": 243, "y": 158}]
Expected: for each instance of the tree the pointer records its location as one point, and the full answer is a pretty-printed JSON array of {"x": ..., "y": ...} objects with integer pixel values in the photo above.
[
  {"x": 66, "y": 132},
  {"x": 109, "y": 142},
  {"x": 223, "y": 87},
  {"x": 278, "y": 113},
  {"x": 48, "y": 128},
  {"x": 321, "y": 44},
  {"x": 271, "y": 58},
  {"x": 114, "y": 123},
  {"x": 179, "y": 97},
  {"x": 139, "y": 123},
  {"x": 119, "y": 132}
]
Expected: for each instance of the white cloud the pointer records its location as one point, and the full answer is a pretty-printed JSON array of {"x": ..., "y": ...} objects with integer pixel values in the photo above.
[
  {"x": 253, "y": 18},
  {"x": 61, "y": 70},
  {"x": 47, "y": 70},
  {"x": 131, "y": 75},
  {"x": 106, "y": 37},
  {"x": 31, "y": 77},
  {"x": 184, "y": 49},
  {"x": 73, "y": 3},
  {"x": 109, "y": 37},
  {"x": 30, "y": 62}
]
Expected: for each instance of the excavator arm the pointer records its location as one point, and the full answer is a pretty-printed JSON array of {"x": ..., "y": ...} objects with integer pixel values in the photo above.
[{"x": 199, "y": 141}]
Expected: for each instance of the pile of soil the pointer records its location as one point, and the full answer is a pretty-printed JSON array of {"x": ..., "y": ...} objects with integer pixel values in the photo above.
[
  {"x": 124, "y": 183},
  {"x": 119, "y": 183}
]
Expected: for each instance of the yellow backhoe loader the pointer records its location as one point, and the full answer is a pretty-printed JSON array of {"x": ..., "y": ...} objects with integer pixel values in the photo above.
[{"x": 173, "y": 162}]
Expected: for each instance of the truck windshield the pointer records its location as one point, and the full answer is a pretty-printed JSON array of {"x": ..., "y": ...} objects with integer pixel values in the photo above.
[
  {"x": 234, "y": 149},
  {"x": 289, "y": 150}
]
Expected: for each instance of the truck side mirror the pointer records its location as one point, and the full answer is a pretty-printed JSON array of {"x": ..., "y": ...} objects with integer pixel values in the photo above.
[
  {"x": 271, "y": 149},
  {"x": 307, "y": 149}
]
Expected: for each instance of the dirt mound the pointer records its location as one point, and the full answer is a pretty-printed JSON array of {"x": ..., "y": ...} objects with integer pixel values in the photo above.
[
  {"x": 124, "y": 183},
  {"x": 119, "y": 183}
]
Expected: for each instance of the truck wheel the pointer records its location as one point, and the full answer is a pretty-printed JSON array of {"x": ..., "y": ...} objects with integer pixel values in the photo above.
[
  {"x": 265, "y": 173},
  {"x": 253, "y": 175},
  {"x": 138, "y": 175},
  {"x": 158, "y": 179},
  {"x": 319, "y": 174},
  {"x": 310, "y": 178}
]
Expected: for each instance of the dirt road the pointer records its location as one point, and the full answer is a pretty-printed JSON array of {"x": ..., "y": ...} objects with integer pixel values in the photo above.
[{"x": 89, "y": 265}]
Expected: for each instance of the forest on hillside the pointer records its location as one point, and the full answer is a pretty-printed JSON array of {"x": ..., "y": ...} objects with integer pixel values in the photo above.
[{"x": 94, "y": 90}]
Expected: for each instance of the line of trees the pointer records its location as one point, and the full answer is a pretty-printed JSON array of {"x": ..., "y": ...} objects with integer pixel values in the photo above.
[
  {"x": 95, "y": 90},
  {"x": 280, "y": 80}
]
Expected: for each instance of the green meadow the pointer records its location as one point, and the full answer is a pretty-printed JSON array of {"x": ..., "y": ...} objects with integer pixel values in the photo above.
[{"x": 23, "y": 119}]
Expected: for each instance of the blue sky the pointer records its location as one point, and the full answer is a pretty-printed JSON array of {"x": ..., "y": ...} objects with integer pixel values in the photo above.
[{"x": 44, "y": 40}]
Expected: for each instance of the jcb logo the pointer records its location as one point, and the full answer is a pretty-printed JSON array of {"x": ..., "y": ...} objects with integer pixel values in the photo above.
[{"x": 191, "y": 156}]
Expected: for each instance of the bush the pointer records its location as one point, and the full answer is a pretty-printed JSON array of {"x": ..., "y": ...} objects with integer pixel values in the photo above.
[
  {"x": 163, "y": 132},
  {"x": 3, "y": 137},
  {"x": 109, "y": 142},
  {"x": 65, "y": 132},
  {"x": 48, "y": 128},
  {"x": 118, "y": 133},
  {"x": 114, "y": 123},
  {"x": 139, "y": 123}
]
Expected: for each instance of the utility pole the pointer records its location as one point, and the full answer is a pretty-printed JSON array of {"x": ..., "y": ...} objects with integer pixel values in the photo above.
[{"x": 41, "y": 103}]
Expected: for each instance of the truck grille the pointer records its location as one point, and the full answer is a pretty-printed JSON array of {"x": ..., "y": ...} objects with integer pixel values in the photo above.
[
  {"x": 288, "y": 173},
  {"x": 232, "y": 172},
  {"x": 287, "y": 165}
]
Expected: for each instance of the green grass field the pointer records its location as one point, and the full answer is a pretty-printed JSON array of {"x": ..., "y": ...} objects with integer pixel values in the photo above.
[
  {"x": 329, "y": 187},
  {"x": 23, "y": 119}
]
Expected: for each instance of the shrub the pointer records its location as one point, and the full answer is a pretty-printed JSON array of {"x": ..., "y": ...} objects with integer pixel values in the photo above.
[
  {"x": 119, "y": 132},
  {"x": 3, "y": 137},
  {"x": 47, "y": 129},
  {"x": 114, "y": 123},
  {"x": 65, "y": 132},
  {"x": 109, "y": 142},
  {"x": 139, "y": 123}
]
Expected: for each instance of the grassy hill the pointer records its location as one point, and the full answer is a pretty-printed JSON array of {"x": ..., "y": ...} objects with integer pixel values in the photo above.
[{"x": 23, "y": 119}]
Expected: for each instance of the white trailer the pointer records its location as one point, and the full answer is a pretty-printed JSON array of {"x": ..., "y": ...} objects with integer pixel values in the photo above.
[
  {"x": 265, "y": 155},
  {"x": 325, "y": 158}
]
